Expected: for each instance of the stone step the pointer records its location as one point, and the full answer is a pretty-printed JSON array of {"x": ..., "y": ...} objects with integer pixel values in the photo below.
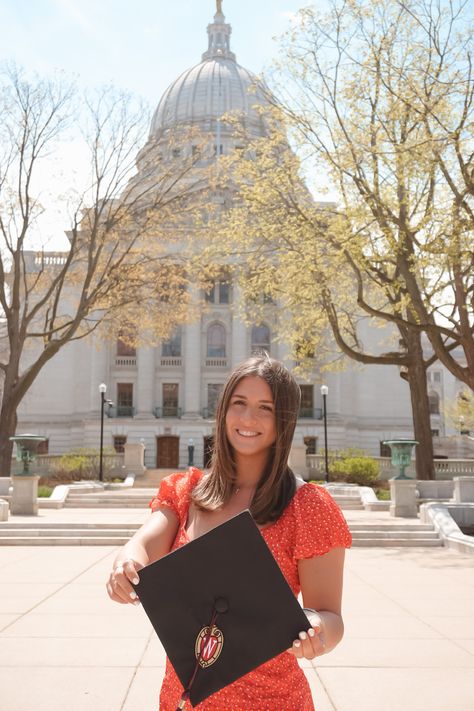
[
  {"x": 390, "y": 526},
  {"x": 346, "y": 499},
  {"x": 117, "y": 534},
  {"x": 107, "y": 501},
  {"x": 120, "y": 532},
  {"x": 396, "y": 542},
  {"x": 10, "y": 525},
  {"x": 75, "y": 540},
  {"x": 379, "y": 533},
  {"x": 107, "y": 539}
]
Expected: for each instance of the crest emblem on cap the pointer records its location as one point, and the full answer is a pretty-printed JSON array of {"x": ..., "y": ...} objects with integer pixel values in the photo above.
[{"x": 208, "y": 647}]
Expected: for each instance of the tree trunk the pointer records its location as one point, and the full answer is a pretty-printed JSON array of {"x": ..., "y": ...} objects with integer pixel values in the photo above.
[
  {"x": 8, "y": 422},
  {"x": 416, "y": 377}
]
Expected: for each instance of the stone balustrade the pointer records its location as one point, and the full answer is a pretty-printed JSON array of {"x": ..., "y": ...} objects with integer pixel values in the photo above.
[{"x": 444, "y": 468}]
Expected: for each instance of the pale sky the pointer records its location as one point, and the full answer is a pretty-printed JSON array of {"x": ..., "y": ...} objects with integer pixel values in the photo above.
[{"x": 139, "y": 46}]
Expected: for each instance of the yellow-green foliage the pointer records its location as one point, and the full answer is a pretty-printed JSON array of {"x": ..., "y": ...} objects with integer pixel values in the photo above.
[{"x": 359, "y": 470}]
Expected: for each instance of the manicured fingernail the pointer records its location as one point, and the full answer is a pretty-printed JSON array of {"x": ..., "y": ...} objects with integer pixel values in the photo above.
[
  {"x": 303, "y": 636},
  {"x": 135, "y": 581},
  {"x": 136, "y": 602},
  {"x": 311, "y": 632},
  {"x": 296, "y": 644},
  {"x": 133, "y": 595}
]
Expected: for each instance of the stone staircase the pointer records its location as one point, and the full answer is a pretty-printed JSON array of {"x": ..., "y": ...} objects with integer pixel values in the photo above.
[
  {"x": 128, "y": 499},
  {"x": 394, "y": 534},
  {"x": 65, "y": 534},
  {"x": 365, "y": 533}
]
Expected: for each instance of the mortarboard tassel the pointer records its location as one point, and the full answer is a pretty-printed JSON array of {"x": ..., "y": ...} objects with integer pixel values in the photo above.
[{"x": 220, "y": 606}]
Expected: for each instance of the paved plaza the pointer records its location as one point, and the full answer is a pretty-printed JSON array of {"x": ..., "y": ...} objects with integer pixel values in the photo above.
[{"x": 409, "y": 642}]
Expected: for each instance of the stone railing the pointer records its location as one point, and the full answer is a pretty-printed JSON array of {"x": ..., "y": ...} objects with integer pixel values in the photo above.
[
  {"x": 50, "y": 463},
  {"x": 216, "y": 362},
  {"x": 171, "y": 362},
  {"x": 444, "y": 468},
  {"x": 126, "y": 361},
  {"x": 449, "y": 468}
]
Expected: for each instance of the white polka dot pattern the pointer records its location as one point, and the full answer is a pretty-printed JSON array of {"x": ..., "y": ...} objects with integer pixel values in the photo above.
[{"x": 312, "y": 524}]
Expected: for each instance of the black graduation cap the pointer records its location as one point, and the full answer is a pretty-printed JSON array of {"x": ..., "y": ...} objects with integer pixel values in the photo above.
[{"x": 220, "y": 606}]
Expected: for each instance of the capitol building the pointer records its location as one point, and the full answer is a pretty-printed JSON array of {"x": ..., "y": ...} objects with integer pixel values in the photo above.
[{"x": 165, "y": 396}]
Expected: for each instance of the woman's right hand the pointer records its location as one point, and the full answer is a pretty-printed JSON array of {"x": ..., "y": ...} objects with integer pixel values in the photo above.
[{"x": 119, "y": 585}]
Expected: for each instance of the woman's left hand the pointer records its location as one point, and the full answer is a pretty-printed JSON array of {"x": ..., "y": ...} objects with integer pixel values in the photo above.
[{"x": 311, "y": 642}]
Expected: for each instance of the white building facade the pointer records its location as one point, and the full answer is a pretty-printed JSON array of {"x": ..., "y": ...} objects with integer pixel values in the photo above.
[{"x": 165, "y": 396}]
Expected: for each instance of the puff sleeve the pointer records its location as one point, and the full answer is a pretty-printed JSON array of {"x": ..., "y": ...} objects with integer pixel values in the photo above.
[
  {"x": 174, "y": 492},
  {"x": 320, "y": 525}
]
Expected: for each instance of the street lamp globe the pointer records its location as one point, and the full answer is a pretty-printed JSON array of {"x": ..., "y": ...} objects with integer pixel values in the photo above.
[
  {"x": 324, "y": 390},
  {"x": 103, "y": 388}
]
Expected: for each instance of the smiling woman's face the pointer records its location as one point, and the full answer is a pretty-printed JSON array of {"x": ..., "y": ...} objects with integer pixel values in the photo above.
[{"x": 250, "y": 418}]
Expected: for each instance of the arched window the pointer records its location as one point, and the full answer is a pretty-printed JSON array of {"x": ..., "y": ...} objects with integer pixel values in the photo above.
[
  {"x": 433, "y": 403},
  {"x": 216, "y": 341},
  {"x": 260, "y": 339}
]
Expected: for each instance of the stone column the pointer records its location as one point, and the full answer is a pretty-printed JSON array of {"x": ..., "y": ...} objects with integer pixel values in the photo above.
[
  {"x": 24, "y": 501},
  {"x": 144, "y": 401},
  {"x": 239, "y": 348},
  {"x": 99, "y": 373},
  {"x": 192, "y": 351},
  {"x": 403, "y": 498}
]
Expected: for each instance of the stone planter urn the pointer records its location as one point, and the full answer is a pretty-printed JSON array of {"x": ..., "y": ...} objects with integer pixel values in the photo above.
[
  {"x": 401, "y": 454},
  {"x": 24, "y": 500},
  {"x": 402, "y": 487}
]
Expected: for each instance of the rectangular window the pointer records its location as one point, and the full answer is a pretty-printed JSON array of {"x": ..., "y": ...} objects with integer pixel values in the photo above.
[
  {"x": 435, "y": 433},
  {"x": 172, "y": 347},
  {"x": 224, "y": 292},
  {"x": 124, "y": 349},
  {"x": 307, "y": 401},
  {"x": 119, "y": 443},
  {"x": 124, "y": 399},
  {"x": 385, "y": 450},
  {"x": 437, "y": 376},
  {"x": 170, "y": 399},
  {"x": 211, "y": 295},
  {"x": 43, "y": 447},
  {"x": 311, "y": 444},
  {"x": 213, "y": 392}
]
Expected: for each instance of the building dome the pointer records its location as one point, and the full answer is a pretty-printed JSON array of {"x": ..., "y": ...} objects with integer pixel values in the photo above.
[{"x": 207, "y": 91}]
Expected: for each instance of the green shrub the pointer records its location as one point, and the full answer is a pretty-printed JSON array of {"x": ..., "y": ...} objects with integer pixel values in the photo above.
[
  {"x": 355, "y": 470},
  {"x": 382, "y": 494},
  {"x": 79, "y": 464},
  {"x": 44, "y": 491}
]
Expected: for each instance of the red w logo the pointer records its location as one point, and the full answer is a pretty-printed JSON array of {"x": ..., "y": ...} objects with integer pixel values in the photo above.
[
  {"x": 208, "y": 646},
  {"x": 208, "y": 649}
]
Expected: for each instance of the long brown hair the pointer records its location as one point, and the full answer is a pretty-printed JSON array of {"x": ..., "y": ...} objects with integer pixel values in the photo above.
[{"x": 277, "y": 484}]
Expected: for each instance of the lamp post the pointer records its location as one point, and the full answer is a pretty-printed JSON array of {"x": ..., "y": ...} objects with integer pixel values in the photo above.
[
  {"x": 102, "y": 390},
  {"x": 324, "y": 393}
]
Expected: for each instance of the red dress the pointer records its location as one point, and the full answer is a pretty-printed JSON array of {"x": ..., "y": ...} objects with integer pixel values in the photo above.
[{"x": 312, "y": 524}]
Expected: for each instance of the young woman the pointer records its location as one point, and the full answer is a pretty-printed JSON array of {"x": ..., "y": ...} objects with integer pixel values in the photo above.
[{"x": 301, "y": 524}]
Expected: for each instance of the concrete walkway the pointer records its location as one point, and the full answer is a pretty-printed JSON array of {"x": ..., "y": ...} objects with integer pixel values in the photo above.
[{"x": 409, "y": 642}]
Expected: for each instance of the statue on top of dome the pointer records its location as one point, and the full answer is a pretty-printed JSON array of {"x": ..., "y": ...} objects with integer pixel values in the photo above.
[{"x": 219, "y": 7}]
